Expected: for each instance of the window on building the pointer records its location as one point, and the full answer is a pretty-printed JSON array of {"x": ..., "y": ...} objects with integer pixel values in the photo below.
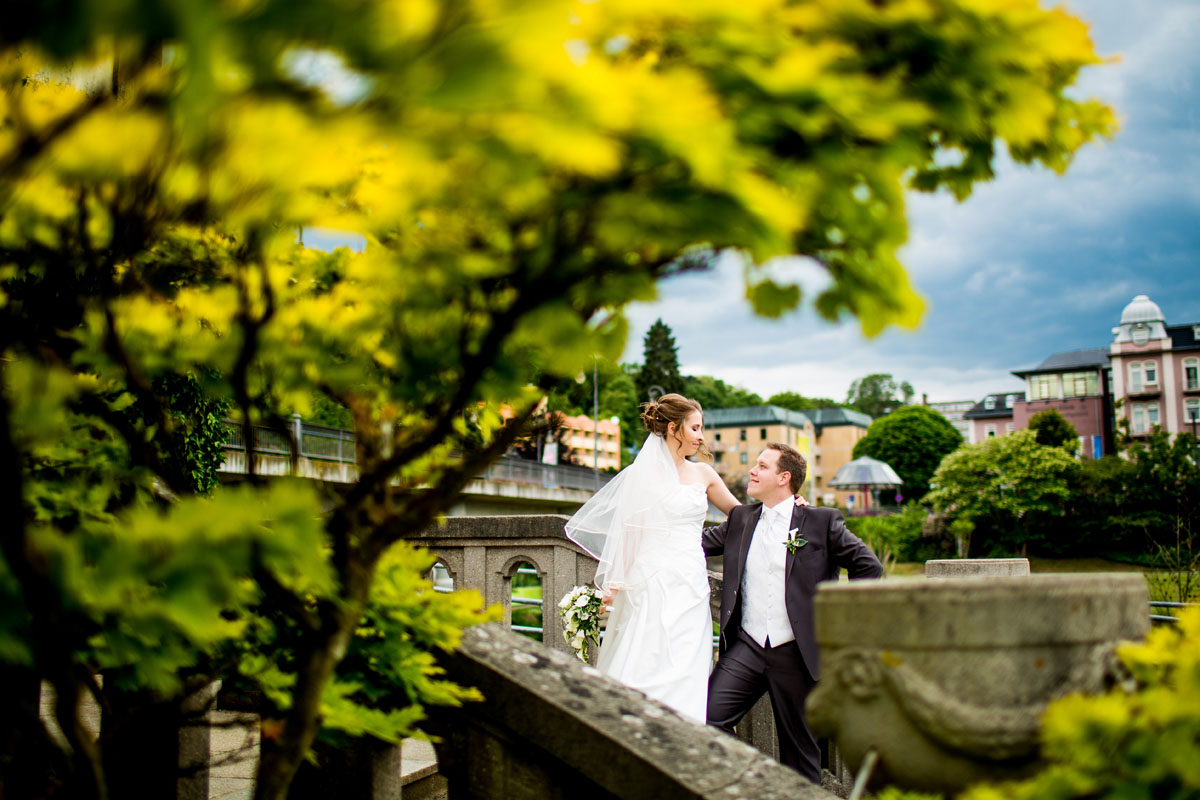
[
  {"x": 762, "y": 433},
  {"x": 718, "y": 435},
  {"x": 1043, "y": 387},
  {"x": 1191, "y": 374},
  {"x": 1008, "y": 400},
  {"x": 1152, "y": 414},
  {"x": 717, "y": 457},
  {"x": 1196, "y": 332},
  {"x": 743, "y": 434},
  {"x": 816, "y": 483},
  {"x": 745, "y": 458},
  {"x": 1139, "y": 418},
  {"x": 990, "y": 430},
  {"x": 1191, "y": 410},
  {"x": 1135, "y": 377},
  {"x": 1141, "y": 334},
  {"x": 1151, "y": 370},
  {"x": 1009, "y": 428},
  {"x": 1080, "y": 384},
  {"x": 989, "y": 403}
]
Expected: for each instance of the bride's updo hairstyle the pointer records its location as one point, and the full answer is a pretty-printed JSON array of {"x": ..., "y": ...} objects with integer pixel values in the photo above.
[{"x": 658, "y": 414}]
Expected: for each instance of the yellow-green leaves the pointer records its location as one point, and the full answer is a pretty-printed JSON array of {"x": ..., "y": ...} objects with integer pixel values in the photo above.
[{"x": 1141, "y": 743}]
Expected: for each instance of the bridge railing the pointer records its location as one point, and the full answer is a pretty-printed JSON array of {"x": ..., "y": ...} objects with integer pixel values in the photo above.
[{"x": 327, "y": 443}]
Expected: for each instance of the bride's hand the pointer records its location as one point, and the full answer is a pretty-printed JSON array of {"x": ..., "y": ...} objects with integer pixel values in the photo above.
[
  {"x": 608, "y": 599},
  {"x": 801, "y": 500}
]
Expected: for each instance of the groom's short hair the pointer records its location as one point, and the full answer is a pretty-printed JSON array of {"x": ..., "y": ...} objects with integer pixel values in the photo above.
[{"x": 791, "y": 461}]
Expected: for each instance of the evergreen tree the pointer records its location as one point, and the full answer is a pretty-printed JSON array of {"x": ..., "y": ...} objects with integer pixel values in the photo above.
[{"x": 660, "y": 362}]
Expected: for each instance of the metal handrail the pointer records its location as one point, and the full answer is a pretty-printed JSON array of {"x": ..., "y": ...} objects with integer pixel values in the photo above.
[{"x": 326, "y": 443}]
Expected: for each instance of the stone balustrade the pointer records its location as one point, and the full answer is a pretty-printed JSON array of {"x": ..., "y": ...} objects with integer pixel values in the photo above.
[{"x": 553, "y": 728}]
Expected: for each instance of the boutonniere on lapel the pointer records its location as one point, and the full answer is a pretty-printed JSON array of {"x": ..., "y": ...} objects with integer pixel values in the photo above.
[{"x": 794, "y": 542}]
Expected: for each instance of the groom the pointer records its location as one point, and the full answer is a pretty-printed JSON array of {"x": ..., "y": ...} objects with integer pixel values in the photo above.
[{"x": 767, "y": 641}]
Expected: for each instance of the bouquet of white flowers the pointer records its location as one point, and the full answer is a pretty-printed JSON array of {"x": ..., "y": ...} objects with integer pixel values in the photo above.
[{"x": 581, "y": 609}]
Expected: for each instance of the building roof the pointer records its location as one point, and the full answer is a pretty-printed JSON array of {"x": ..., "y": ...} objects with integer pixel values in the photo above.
[
  {"x": 865, "y": 472},
  {"x": 1184, "y": 337},
  {"x": 981, "y": 411},
  {"x": 754, "y": 415},
  {"x": 1091, "y": 358},
  {"x": 1142, "y": 309},
  {"x": 834, "y": 417}
]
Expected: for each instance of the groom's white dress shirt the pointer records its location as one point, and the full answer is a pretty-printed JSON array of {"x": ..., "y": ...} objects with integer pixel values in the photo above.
[{"x": 764, "y": 615}]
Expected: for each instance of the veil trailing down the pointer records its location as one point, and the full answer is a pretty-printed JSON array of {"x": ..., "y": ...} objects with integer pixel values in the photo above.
[
  {"x": 644, "y": 528},
  {"x": 613, "y": 524}
]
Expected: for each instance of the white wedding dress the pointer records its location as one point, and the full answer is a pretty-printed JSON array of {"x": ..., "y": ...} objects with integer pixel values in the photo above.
[
  {"x": 659, "y": 634},
  {"x": 644, "y": 529}
]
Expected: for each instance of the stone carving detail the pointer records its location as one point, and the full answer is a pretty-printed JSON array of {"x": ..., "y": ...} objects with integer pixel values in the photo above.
[{"x": 947, "y": 680}]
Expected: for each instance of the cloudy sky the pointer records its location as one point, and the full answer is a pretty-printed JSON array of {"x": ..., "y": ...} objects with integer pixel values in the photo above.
[{"x": 1032, "y": 264}]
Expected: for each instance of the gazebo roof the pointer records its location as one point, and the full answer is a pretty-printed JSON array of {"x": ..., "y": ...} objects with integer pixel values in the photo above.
[{"x": 866, "y": 473}]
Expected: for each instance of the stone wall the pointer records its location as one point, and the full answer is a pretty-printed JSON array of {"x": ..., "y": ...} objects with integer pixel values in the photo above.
[{"x": 483, "y": 553}]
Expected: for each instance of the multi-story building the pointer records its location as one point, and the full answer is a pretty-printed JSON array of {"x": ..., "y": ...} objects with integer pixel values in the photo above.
[
  {"x": 583, "y": 435},
  {"x": 1149, "y": 375},
  {"x": 1076, "y": 385},
  {"x": 993, "y": 416},
  {"x": 954, "y": 411},
  {"x": 1155, "y": 370},
  {"x": 837, "y": 430},
  {"x": 737, "y": 435}
]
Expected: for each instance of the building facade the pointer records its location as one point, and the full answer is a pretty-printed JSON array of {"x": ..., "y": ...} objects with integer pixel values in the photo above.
[
  {"x": 583, "y": 434},
  {"x": 837, "y": 430},
  {"x": 993, "y": 416},
  {"x": 1155, "y": 370},
  {"x": 736, "y": 436},
  {"x": 1076, "y": 385},
  {"x": 953, "y": 411}
]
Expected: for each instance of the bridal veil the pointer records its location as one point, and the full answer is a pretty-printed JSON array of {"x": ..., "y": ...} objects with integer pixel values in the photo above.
[{"x": 612, "y": 525}]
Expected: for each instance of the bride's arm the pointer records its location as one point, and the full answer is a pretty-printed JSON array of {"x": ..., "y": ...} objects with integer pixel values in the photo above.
[{"x": 718, "y": 493}]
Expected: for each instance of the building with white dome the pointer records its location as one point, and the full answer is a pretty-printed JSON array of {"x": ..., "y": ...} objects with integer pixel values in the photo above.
[{"x": 1155, "y": 369}]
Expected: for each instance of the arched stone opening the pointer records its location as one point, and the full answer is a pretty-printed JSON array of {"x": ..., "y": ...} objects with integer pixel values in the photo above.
[{"x": 524, "y": 589}]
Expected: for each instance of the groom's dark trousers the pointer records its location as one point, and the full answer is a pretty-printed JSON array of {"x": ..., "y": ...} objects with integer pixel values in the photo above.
[{"x": 745, "y": 669}]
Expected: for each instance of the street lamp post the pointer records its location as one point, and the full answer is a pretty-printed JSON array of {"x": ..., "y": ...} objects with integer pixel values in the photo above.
[{"x": 595, "y": 424}]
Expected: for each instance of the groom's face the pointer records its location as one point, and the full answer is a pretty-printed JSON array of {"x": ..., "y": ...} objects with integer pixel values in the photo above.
[{"x": 766, "y": 480}]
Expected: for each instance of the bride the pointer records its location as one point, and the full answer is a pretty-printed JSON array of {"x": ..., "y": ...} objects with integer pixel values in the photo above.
[{"x": 644, "y": 527}]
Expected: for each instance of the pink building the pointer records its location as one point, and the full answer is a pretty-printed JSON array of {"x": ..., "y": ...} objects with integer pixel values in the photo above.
[
  {"x": 1155, "y": 370},
  {"x": 1076, "y": 385},
  {"x": 993, "y": 416}
]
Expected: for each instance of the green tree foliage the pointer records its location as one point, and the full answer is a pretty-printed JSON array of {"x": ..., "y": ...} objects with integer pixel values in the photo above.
[
  {"x": 1052, "y": 429},
  {"x": 875, "y": 395},
  {"x": 798, "y": 402},
  {"x": 660, "y": 363},
  {"x": 712, "y": 392},
  {"x": 913, "y": 440},
  {"x": 1144, "y": 743},
  {"x": 1012, "y": 485},
  {"x": 519, "y": 171},
  {"x": 891, "y": 537}
]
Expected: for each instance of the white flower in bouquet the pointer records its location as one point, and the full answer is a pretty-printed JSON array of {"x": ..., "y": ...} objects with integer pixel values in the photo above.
[{"x": 580, "y": 609}]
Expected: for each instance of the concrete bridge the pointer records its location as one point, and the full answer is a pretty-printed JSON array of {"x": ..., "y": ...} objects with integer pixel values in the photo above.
[{"x": 509, "y": 486}]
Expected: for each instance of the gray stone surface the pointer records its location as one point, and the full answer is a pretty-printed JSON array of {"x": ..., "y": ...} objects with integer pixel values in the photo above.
[
  {"x": 551, "y": 727},
  {"x": 483, "y": 553},
  {"x": 948, "y": 679},
  {"x": 976, "y": 567}
]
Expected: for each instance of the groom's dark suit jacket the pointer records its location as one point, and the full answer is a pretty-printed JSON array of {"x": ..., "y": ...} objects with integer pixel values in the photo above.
[{"x": 830, "y": 548}]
